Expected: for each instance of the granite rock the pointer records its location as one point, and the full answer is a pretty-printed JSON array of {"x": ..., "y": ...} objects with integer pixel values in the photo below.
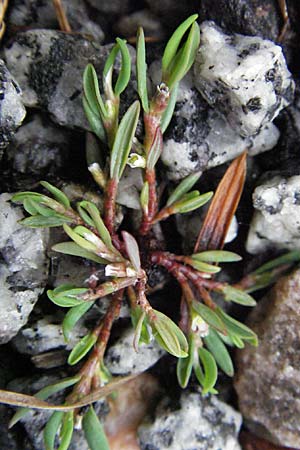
[
  {"x": 268, "y": 376},
  {"x": 249, "y": 85},
  {"x": 122, "y": 359},
  {"x": 195, "y": 422},
  {"x": 199, "y": 138},
  {"x": 23, "y": 269},
  {"x": 41, "y": 14},
  {"x": 49, "y": 66},
  {"x": 12, "y": 111},
  {"x": 276, "y": 220},
  {"x": 129, "y": 24}
]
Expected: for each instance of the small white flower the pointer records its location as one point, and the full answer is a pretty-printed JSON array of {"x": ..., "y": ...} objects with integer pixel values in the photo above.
[{"x": 135, "y": 161}]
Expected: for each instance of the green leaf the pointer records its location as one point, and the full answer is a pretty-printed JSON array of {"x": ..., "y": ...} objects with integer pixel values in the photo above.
[
  {"x": 155, "y": 150},
  {"x": 232, "y": 294},
  {"x": 209, "y": 316},
  {"x": 141, "y": 69},
  {"x": 94, "y": 120},
  {"x": 82, "y": 348},
  {"x": 132, "y": 250},
  {"x": 66, "y": 298},
  {"x": 29, "y": 206},
  {"x": 72, "y": 317},
  {"x": 123, "y": 141},
  {"x": 216, "y": 256},
  {"x": 138, "y": 330},
  {"x": 136, "y": 314},
  {"x": 190, "y": 204},
  {"x": 174, "y": 42},
  {"x": 220, "y": 352},
  {"x": 210, "y": 370},
  {"x": 287, "y": 258},
  {"x": 237, "y": 328},
  {"x": 184, "y": 186},
  {"x": 52, "y": 428},
  {"x": 185, "y": 365},
  {"x": 97, "y": 221},
  {"x": 144, "y": 196},
  {"x": 168, "y": 113},
  {"x": 73, "y": 249},
  {"x": 57, "y": 194},
  {"x": 92, "y": 92},
  {"x": 82, "y": 242},
  {"x": 169, "y": 336},
  {"x": 124, "y": 75},
  {"x": 45, "y": 222},
  {"x": 184, "y": 58},
  {"x": 202, "y": 266},
  {"x": 43, "y": 394},
  {"x": 66, "y": 432},
  {"x": 93, "y": 431}
]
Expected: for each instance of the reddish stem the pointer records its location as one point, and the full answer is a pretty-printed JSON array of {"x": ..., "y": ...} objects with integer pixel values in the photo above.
[
  {"x": 152, "y": 204},
  {"x": 110, "y": 205}
]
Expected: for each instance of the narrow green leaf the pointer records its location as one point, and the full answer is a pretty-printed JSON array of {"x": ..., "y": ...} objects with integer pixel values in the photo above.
[
  {"x": 185, "y": 206},
  {"x": 66, "y": 432},
  {"x": 29, "y": 206},
  {"x": 82, "y": 348},
  {"x": 136, "y": 314},
  {"x": 52, "y": 428},
  {"x": 169, "y": 336},
  {"x": 93, "y": 431},
  {"x": 155, "y": 150},
  {"x": 168, "y": 113},
  {"x": 232, "y": 294},
  {"x": 174, "y": 42},
  {"x": 185, "y": 365},
  {"x": 72, "y": 317},
  {"x": 184, "y": 58},
  {"x": 43, "y": 394},
  {"x": 73, "y": 249},
  {"x": 216, "y": 256},
  {"x": 184, "y": 186},
  {"x": 21, "y": 196},
  {"x": 94, "y": 120},
  {"x": 141, "y": 69},
  {"x": 287, "y": 258},
  {"x": 210, "y": 369},
  {"x": 123, "y": 141},
  {"x": 44, "y": 211},
  {"x": 92, "y": 92},
  {"x": 202, "y": 266},
  {"x": 215, "y": 345},
  {"x": 144, "y": 196},
  {"x": 132, "y": 250},
  {"x": 45, "y": 222},
  {"x": 66, "y": 298},
  {"x": 94, "y": 213},
  {"x": 124, "y": 75},
  {"x": 57, "y": 194},
  {"x": 237, "y": 328},
  {"x": 110, "y": 60},
  {"x": 138, "y": 330},
  {"x": 82, "y": 242},
  {"x": 209, "y": 316}
]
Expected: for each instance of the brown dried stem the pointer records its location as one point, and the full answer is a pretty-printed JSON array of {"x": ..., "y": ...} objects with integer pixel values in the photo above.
[{"x": 61, "y": 16}]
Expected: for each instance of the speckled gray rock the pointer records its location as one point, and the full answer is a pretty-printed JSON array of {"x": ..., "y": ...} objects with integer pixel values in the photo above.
[
  {"x": 268, "y": 377},
  {"x": 199, "y": 138},
  {"x": 49, "y": 66},
  {"x": 23, "y": 269},
  {"x": 12, "y": 111},
  {"x": 244, "y": 77},
  {"x": 122, "y": 359},
  {"x": 195, "y": 423},
  {"x": 276, "y": 221},
  {"x": 41, "y": 14}
]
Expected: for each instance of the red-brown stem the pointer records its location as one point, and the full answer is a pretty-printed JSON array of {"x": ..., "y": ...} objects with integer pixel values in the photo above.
[
  {"x": 110, "y": 204},
  {"x": 109, "y": 287},
  {"x": 152, "y": 204},
  {"x": 89, "y": 370},
  {"x": 143, "y": 302}
]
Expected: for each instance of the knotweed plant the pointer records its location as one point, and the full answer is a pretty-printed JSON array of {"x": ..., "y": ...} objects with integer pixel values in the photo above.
[{"x": 199, "y": 341}]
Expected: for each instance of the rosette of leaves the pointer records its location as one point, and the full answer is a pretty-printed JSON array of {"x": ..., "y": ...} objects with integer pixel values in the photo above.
[{"x": 200, "y": 342}]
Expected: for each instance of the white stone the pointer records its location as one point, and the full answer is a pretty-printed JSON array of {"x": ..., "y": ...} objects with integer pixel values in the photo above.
[
  {"x": 202, "y": 423},
  {"x": 276, "y": 221},
  {"x": 244, "y": 77}
]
